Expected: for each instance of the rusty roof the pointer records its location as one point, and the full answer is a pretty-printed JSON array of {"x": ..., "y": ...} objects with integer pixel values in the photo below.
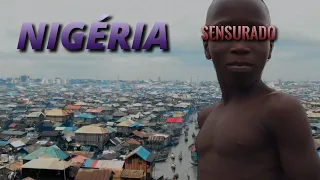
[
  {"x": 134, "y": 174},
  {"x": 96, "y": 174}
]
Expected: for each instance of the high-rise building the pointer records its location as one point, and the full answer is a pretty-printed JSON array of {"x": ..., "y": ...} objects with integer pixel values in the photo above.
[
  {"x": 58, "y": 81},
  {"x": 24, "y": 78},
  {"x": 64, "y": 81},
  {"x": 9, "y": 80}
]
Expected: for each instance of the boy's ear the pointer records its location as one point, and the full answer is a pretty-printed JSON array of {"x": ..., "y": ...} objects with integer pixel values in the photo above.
[
  {"x": 206, "y": 50},
  {"x": 271, "y": 49}
]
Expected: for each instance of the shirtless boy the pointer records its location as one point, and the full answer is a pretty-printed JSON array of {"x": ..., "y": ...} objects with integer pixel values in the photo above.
[{"x": 255, "y": 133}]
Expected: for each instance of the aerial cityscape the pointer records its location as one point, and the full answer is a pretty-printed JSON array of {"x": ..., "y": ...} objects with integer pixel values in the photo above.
[{"x": 76, "y": 129}]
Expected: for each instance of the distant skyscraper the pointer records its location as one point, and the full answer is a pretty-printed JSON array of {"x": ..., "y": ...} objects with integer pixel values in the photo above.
[
  {"x": 58, "y": 81},
  {"x": 24, "y": 78},
  {"x": 9, "y": 80}
]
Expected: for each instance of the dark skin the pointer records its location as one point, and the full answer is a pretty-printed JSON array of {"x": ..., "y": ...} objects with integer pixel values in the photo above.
[{"x": 255, "y": 132}]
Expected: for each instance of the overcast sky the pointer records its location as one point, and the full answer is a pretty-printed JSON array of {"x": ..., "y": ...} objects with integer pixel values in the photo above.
[{"x": 296, "y": 54}]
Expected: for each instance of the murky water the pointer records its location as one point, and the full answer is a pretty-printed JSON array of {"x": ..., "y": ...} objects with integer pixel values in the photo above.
[{"x": 184, "y": 167}]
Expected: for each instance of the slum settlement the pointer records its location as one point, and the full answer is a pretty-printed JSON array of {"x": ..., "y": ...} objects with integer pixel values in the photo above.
[{"x": 86, "y": 129}]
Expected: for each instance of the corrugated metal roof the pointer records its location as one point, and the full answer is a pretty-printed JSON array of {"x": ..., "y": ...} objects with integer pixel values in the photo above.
[
  {"x": 126, "y": 123},
  {"x": 85, "y": 116},
  {"x": 110, "y": 164},
  {"x": 141, "y": 152},
  {"x": 91, "y": 129},
  {"x": 96, "y": 174},
  {"x": 87, "y": 163},
  {"x": 132, "y": 174},
  {"x": 57, "y": 112},
  {"x": 110, "y": 129},
  {"x": 17, "y": 144},
  {"x": 46, "y": 163},
  {"x": 4, "y": 143},
  {"x": 52, "y": 151},
  {"x": 135, "y": 124},
  {"x": 103, "y": 164}
]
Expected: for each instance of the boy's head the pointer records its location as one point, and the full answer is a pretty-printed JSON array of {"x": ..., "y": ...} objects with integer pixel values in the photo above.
[{"x": 223, "y": 53}]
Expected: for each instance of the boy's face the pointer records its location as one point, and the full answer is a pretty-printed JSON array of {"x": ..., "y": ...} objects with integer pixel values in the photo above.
[{"x": 236, "y": 13}]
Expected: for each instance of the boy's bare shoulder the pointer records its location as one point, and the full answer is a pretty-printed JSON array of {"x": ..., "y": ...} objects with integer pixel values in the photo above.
[
  {"x": 280, "y": 101},
  {"x": 285, "y": 108},
  {"x": 204, "y": 113}
]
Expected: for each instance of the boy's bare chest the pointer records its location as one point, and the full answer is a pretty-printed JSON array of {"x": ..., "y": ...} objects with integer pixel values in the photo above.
[{"x": 232, "y": 132}]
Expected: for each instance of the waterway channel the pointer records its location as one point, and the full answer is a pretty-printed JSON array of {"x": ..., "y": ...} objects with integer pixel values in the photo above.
[{"x": 183, "y": 167}]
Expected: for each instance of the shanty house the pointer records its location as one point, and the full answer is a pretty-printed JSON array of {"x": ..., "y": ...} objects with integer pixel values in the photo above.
[
  {"x": 46, "y": 168},
  {"x": 158, "y": 141},
  {"x": 52, "y": 152},
  {"x": 73, "y": 108},
  {"x": 140, "y": 159},
  {"x": 128, "y": 126},
  {"x": 35, "y": 118},
  {"x": 84, "y": 117},
  {"x": 96, "y": 112},
  {"x": 118, "y": 114},
  {"x": 96, "y": 174},
  {"x": 107, "y": 110},
  {"x": 57, "y": 115},
  {"x": 175, "y": 120},
  {"x": 114, "y": 165},
  {"x": 51, "y": 135},
  {"x": 13, "y": 134},
  {"x": 92, "y": 135},
  {"x": 128, "y": 174}
]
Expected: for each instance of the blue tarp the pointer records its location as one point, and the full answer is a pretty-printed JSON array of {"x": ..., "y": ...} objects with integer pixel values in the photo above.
[
  {"x": 70, "y": 128},
  {"x": 110, "y": 129},
  {"x": 85, "y": 116},
  {"x": 195, "y": 156},
  {"x": 142, "y": 152},
  {"x": 87, "y": 163},
  {"x": 135, "y": 124},
  {"x": 4, "y": 143},
  {"x": 85, "y": 148},
  {"x": 13, "y": 93}
]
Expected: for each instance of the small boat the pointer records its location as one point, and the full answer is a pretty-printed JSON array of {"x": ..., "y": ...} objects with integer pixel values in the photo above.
[
  {"x": 180, "y": 156},
  {"x": 172, "y": 156},
  {"x": 161, "y": 178},
  {"x": 173, "y": 166},
  {"x": 194, "y": 163},
  {"x": 161, "y": 159},
  {"x": 193, "y": 135},
  {"x": 176, "y": 176}
]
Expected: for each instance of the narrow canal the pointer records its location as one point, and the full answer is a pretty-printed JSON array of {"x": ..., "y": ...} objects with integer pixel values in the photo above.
[{"x": 183, "y": 167}]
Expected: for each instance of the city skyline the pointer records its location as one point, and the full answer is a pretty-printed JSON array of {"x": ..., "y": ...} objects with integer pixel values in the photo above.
[
  {"x": 295, "y": 56},
  {"x": 158, "y": 79}
]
